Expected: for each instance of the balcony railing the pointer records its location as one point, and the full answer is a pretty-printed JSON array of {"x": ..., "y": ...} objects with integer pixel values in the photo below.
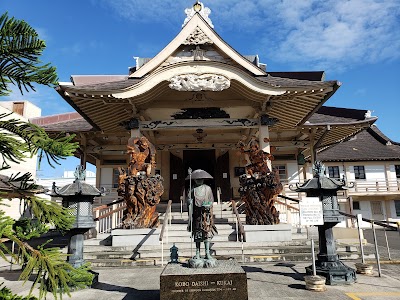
[
  {"x": 378, "y": 185},
  {"x": 360, "y": 186}
]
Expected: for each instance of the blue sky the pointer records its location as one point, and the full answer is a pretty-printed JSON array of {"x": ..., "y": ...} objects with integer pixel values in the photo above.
[{"x": 354, "y": 41}]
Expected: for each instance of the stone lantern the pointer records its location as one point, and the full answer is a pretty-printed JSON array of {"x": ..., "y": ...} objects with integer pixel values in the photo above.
[
  {"x": 328, "y": 264},
  {"x": 78, "y": 197}
]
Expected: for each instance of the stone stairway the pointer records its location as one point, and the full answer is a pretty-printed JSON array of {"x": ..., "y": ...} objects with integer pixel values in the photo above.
[{"x": 100, "y": 253}]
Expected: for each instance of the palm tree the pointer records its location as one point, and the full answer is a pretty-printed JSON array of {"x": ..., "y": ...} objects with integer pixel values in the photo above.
[{"x": 20, "y": 50}]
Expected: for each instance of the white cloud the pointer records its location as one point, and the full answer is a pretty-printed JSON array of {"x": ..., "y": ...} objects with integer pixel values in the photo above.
[
  {"x": 326, "y": 34},
  {"x": 73, "y": 49}
]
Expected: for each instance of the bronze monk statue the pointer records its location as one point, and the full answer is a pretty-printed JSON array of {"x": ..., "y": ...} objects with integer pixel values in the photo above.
[{"x": 201, "y": 218}]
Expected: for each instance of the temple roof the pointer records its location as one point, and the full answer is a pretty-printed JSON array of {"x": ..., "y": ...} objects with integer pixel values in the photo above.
[
  {"x": 104, "y": 87},
  {"x": 199, "y": 74},
  {"x": 68, "y": 122},
  {"x": 368, "y": 145}
]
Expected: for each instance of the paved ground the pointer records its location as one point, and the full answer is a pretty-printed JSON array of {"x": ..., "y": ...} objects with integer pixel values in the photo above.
[{"x": 270, "y": 281}]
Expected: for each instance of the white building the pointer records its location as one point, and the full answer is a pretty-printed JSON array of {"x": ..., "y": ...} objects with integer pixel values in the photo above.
[{"x": 20, "y": 110}]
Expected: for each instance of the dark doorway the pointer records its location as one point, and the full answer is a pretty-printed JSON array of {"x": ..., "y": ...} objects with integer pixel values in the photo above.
[
  {"x": 222, "y": 177},
  {"x": 177, "y": 178},
  {"x": 200, "y": 159}
]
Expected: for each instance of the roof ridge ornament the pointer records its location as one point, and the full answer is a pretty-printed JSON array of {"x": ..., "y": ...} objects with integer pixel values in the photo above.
[{"x": 199, "y": 8}]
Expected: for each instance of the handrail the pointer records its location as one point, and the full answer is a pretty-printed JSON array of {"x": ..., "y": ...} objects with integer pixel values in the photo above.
[
  {"x": 165, "y": 222},
  {"x": 242, "y": 235},
  {"x": 380, "y": 223},
  {"x": 109, "y": 216},
  {"x": 166, "y": 218},
  {"x": 287, "y": 205},
  {"x": 289, "y": 198},
  {"x": 108, "y": 205},
  {"x": 110, "y": 213}
]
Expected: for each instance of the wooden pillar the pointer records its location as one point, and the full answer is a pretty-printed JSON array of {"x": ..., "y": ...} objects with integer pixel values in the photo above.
[
  {"x": 136, "y": 132},
  {"x": 265, "y": 144},
  {"x": 98, "y": 173},
  {"x": 83, "y": 154}
]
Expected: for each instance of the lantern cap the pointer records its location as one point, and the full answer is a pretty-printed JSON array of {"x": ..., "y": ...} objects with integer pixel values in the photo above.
[
  {"x": 78, "y": 187},
  {"x": 320, "y": 181}
]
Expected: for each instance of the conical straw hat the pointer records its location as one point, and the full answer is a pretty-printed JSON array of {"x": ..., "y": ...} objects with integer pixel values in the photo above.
[{"x": 199, "y": 174}]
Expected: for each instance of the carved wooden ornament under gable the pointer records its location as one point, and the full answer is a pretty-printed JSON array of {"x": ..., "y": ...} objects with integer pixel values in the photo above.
[
  {"x": 198, "y": 37},
  {"x": 196, "y": 83}
]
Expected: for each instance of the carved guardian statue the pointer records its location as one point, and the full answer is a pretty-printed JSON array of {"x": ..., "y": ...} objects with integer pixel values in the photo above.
[
  {"x": 138, "y": 187},
  {"x": 259, "y": 186}
]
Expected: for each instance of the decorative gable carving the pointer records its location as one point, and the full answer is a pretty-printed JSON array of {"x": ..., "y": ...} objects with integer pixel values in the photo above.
[
  {"x": 198, "y": 37},
  {"x": 196, "y": 53},
  {"x": 196, "y": 83}
]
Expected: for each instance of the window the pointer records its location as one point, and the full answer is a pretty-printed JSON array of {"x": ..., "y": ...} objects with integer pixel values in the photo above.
[
  {"x": 18, "y": 108},
  {"x": 397, "y": 168},
  {"x": 376, "y": 208},
  {"x": 397, "y": 207},
  {"x": 356, "y": 205},
  {"x": 115, "y": 180},
  {"x": 359, "y": 172},
  {"x": 334, "y": 172},
  {"x": 282, "y": 172}
]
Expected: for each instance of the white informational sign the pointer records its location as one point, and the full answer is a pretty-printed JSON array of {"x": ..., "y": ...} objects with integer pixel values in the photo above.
[
  {"x": 312, "y": 233},
  {"x": 174, "y": 176},
  {"x": 311, "y": 212}
]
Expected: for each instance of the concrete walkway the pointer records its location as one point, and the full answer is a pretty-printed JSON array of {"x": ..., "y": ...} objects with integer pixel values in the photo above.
[{"x": 265, "y": 281}]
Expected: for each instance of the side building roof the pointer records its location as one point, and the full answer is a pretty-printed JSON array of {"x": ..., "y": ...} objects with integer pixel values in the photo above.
[{"x": 368, "y": 145}]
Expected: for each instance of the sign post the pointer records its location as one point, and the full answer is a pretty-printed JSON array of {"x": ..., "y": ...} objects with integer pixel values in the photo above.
[{"x": 311, "y": 213}]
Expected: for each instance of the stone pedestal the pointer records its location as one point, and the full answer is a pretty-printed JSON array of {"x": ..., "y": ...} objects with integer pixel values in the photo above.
[
  {"x": 268, "y": 233},
  {"x": 227, "y": 281},
  {"x": 135, "y": 237},
  {"x": 75, "y": 247}
]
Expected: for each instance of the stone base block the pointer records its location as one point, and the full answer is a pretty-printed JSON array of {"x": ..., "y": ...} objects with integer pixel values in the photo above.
[
  {"x": 227, "y": 281},
  {"x": 364, "y": 269},
  {"x": 315, "y": 283},
  {"x": 335, "y": 272},
  {"x": 135, "y": 237},
  {"x": 268, "y": 233}
]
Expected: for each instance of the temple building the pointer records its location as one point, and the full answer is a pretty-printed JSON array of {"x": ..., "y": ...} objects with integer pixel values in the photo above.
[{"x": 197, "y": 98}]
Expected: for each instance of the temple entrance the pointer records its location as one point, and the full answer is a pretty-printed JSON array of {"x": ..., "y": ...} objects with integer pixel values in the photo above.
[{"x": 200, "y": 159}]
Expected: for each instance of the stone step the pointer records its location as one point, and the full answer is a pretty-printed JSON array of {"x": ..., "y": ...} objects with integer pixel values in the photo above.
[
  {"x": 292, "y": 257},
  {"x": 176, "y": 207},
  {"x": 215, "y": 213},
  {"x": 187, "y": 245},
  {"x": 183, "y": 227},
  {"x": 217, "y": 219},
  {"x": 179, "y": 234},
  {"x": 145, "y": 254}
]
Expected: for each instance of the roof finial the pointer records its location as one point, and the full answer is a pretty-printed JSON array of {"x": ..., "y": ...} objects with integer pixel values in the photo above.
[{"x": 199, "y": 8}]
